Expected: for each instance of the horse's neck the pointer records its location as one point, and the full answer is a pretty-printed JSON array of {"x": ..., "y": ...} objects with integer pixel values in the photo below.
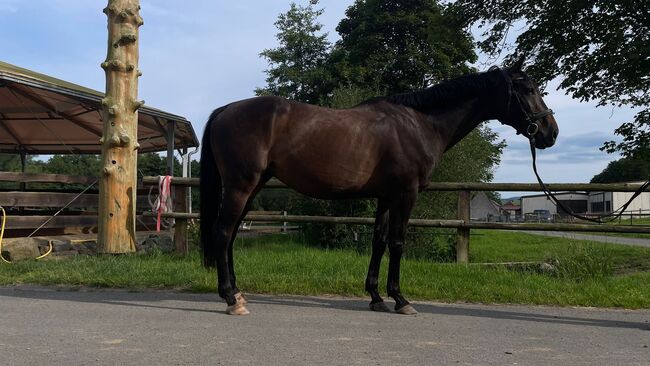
[{"x": 455, "y": 122}]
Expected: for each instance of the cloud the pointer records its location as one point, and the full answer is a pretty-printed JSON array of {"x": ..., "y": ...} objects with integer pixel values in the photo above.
[{"x": 569, "y": 150}]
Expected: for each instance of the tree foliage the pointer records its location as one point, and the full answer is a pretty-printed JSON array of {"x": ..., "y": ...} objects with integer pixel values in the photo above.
[
  {"x": 599, "y": 48},
  {"x": 400, "y": 45},
  {"x": 297, "y": 70},
  {"x": 629, "y": 169}
]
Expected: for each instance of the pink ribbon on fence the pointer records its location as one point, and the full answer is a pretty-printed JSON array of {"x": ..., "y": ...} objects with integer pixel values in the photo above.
[{"x": 164, "y": 200}]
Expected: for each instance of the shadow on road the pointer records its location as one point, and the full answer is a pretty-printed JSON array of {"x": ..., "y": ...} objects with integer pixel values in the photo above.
[{"x": 157, "y": 299}]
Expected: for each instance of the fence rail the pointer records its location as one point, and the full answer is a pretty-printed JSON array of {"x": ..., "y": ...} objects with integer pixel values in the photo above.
[
  {"x": 450, "y": 224},
  {"x": 463, "y": 225},
  {"x": 454, "y": 186}
]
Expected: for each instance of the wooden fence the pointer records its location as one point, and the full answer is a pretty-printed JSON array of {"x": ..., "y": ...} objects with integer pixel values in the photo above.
[
  {"x": 462, "y": 224},
  {"x": 29, "y": 205}
]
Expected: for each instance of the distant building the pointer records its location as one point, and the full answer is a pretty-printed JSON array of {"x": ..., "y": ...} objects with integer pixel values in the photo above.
[
  {"x": 483, "y": 208},
  {"x": 511, "y": 210},
  {"x": 577, "y": 202},
  {"x": 606, "y": 202},
  {"x": 593, "y": 203}
]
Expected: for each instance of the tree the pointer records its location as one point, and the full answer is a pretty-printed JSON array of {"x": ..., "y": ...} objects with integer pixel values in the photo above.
[
  {"x": 599, "y": 48},
  {"x": 296, "y": 66},
  {"x": 11, "y": 163},
  {"x": 82, "y": 165},
  {"x": 400, "y": 45},
  {"x": 624, "y": 170}
]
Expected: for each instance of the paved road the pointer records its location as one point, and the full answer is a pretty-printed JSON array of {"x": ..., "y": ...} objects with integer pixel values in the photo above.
[
  {"x": 43, "y": 326},
  {"x": 640, "y": 242}
]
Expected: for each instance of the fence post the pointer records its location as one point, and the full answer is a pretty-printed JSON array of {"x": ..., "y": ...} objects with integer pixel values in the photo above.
[
  {"x": 180, "y": 227},
  {"x": 462, "y": 234},
  {"x": 284, "y": 223}
]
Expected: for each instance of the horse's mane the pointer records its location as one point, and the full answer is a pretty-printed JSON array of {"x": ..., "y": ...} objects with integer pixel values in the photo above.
[{"x": 447, "y": 92}]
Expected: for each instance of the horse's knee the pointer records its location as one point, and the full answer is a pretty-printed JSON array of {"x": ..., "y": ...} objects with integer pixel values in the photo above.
[{"x": 396, "y": 247}]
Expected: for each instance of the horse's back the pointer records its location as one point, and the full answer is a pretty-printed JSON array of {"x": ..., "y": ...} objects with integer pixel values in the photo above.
[{"x": 321, "y": 152}]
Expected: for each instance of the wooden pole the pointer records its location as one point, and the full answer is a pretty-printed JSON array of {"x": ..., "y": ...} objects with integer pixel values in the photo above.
[
  {"x": 118, "y": 183},
  {"x": 171, "y": 131},
  {"x": 180, "y": 225},
  {"x": 462, "y": 235}
]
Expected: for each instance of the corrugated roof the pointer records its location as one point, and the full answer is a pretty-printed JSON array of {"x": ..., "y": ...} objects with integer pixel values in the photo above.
[{"x": 46, "y": 115}]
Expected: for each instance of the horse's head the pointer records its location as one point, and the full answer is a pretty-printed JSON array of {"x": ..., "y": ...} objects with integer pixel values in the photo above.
[{"x": 526, "y": 111}]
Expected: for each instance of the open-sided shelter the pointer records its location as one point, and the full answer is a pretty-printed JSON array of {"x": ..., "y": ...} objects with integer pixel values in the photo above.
[{"x": 40, "y": 114}]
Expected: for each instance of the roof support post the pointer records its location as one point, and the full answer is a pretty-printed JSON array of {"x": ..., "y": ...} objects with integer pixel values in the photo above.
[
  {"x": 23, "y": 164},
  {"x": 171, "y": 132},
  {"x": 118, "y": 182}
]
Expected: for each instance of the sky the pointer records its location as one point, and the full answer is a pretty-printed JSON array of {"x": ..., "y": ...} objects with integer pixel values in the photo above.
[{"x": 201, "y": 54}]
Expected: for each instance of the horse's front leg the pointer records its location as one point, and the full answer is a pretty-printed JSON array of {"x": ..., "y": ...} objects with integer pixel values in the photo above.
[
  {"x": 379, "y": 240},
  {"x": 400, "y": 212}
]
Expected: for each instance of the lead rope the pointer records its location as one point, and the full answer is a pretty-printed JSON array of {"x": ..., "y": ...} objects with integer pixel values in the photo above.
[{"x": 610, "y": 217}]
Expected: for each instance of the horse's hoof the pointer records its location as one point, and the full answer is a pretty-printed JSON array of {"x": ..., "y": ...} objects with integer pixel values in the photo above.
[
  {"x": 237, "y": 309},
  {"x": 379, "y": 306},
  {"x": 406, "y": 310},
  {"x": 241, "y": 299}
]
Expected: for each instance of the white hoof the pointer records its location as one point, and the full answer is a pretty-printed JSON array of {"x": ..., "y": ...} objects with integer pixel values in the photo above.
[
  {"x": 237, "y": 309},
  {"x": 406, "y": 310}
]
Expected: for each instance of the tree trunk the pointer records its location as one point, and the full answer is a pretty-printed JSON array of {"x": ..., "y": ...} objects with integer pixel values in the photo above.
[{"x": 118, "y": 183}]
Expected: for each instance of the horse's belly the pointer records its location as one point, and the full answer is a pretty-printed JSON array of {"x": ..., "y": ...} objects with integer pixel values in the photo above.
[{"x": 326, "y": 175}]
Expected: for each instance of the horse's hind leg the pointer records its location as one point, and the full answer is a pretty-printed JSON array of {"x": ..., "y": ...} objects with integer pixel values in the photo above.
[
  {"x": 379, "y": 240},
  {"x": 232, "y": 207},
  {"x": 239, "y": 297}
]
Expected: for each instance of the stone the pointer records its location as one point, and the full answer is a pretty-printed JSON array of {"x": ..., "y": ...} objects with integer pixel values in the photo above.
[
  {"x": 61, "y": 246},
  {"x": 21, "y": 249},
  {"x": 163, "y": 242}
]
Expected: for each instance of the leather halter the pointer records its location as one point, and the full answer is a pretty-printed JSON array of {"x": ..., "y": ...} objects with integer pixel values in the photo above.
[{"x": 530, "y": 116}]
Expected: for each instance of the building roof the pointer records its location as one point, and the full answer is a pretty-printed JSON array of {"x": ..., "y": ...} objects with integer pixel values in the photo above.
[
  {"x": 510, "y": 207},
  {"x": 44, "y": 115}
]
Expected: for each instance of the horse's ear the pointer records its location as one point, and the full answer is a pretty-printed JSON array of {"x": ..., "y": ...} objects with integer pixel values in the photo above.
[{"x": 519, "y": 64}]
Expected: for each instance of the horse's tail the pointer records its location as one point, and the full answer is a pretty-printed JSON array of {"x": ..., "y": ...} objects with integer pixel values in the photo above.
[{"x": 210, "y": 194}]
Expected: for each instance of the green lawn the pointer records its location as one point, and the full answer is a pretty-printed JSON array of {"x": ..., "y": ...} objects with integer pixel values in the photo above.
[{"x": 590, "y": 274}]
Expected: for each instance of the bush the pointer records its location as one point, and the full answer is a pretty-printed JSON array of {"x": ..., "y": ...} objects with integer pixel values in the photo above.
[
  {"x": 586, "y": 262},
  {"x": 357, "y": 237},
  {"x": 432, "y": 245}
]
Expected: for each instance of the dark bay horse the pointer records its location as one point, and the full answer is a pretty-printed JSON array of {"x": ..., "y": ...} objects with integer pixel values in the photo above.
[{"x": 385, "y": 148}]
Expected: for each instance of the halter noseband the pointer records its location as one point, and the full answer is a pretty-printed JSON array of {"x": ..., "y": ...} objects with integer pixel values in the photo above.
[{"x": 531, "y": 117}]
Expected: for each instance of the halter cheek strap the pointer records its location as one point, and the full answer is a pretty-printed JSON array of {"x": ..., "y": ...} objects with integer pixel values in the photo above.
[{"x": 531, "y": 117}]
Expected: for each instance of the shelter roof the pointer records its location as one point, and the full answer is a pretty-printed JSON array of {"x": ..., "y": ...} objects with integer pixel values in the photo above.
[{"x": 46, "y": 115}]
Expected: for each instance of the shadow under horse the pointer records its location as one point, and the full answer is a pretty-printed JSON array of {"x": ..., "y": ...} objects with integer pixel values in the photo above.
[{"x": 385, "y": 148}]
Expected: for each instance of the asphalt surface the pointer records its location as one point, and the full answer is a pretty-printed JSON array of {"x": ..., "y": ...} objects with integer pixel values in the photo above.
[
  {"x": 46, "y": 326},
  {"x": 639, "y": 242}
]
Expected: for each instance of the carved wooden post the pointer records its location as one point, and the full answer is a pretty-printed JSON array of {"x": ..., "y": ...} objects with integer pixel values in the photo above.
[{"x": 118, "y": 183}]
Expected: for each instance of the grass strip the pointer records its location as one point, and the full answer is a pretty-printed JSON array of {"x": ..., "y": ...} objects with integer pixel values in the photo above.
[{"x": 280, "y": 265}]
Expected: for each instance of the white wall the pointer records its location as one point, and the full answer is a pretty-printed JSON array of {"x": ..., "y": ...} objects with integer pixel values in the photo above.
[
  {"x": 640, "y": 203},
  {"x": 530, "y": 204}
]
